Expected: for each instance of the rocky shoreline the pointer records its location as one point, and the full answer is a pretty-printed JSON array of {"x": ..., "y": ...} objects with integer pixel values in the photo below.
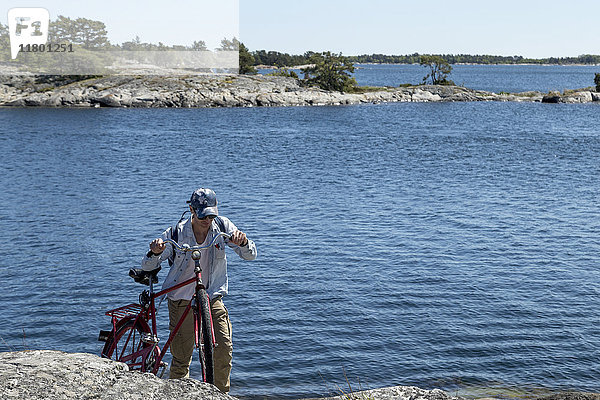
[
  {"x": 234, "y": 91},
  {"x": 56, "y": 375}
]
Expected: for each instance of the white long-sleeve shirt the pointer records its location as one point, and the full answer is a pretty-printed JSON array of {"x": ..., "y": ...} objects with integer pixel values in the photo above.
[{"x": 213, "y": 260}]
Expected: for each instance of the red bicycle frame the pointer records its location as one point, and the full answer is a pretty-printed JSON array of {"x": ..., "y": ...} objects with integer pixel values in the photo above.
[{"x": 141, "y": 314}]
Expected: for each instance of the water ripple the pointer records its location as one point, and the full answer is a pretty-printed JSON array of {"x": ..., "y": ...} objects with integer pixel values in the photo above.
[{"x": 416, "y": 244}]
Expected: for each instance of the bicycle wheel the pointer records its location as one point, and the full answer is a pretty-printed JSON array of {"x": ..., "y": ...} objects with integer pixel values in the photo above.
[
  {"x": 128, "y": 343},
  {"x": 205, "y": 337}
]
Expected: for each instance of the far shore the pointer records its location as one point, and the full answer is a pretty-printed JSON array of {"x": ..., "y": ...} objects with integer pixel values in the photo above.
[{"x": 483, "y": 65}]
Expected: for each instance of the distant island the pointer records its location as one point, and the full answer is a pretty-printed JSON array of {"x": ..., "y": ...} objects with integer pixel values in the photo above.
[
  {"x": 264, "y": 57},
  {"x": 236, "y": 91}
]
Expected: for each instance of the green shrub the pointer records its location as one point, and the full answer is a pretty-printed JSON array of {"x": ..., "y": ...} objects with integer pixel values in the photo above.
[{"x": 284, "y": 72}]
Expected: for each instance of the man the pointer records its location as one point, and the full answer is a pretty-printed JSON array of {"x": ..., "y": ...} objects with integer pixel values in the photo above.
[{"x": 200, "y": 229}]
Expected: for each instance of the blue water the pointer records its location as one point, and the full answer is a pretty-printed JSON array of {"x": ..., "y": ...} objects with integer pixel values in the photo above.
[
  {"x": 405, "y": 244},
  {"x": 493, "y": 78}
]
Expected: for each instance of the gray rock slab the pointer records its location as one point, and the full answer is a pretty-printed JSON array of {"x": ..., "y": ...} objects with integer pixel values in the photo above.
[
  {"x": 55, "y": 375},
  {"x": 573, "y": 396},
  {"x": 233, "y": 91},
  {"x": 578, "y": 97},
  {"x": 396, "y": 393}
]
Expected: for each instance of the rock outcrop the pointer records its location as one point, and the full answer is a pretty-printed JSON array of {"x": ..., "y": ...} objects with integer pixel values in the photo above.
[
  {"x": 233, "y": 91},
  {"x": 573, "y": 396},
  {"x": 397, "y": 393},
  {"x": 578, "y": 96},
  {"x": 54, "y": 375},
  {"x": 225, "y": 91}
]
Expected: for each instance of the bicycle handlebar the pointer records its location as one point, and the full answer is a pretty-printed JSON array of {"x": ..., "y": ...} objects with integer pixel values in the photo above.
[{"x": 187, "y": 247}]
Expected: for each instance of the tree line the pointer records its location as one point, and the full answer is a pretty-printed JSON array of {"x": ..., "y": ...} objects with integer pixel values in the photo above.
[
  {"x": 477, "y": 59},
  {"x": 275, "y": 58}
]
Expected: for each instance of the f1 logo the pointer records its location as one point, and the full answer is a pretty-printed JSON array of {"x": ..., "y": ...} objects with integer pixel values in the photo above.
[{"x": 27, "y": 26}]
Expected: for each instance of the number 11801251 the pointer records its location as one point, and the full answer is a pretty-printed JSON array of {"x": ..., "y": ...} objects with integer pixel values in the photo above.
[{"x": 46, "y": 48}]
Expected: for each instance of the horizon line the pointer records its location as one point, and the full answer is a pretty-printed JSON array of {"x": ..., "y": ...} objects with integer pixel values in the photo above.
[{"x": 429, "y": 54}]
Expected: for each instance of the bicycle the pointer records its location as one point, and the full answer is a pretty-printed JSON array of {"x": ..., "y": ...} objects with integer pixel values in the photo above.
[{"x": 134, "y": 341}]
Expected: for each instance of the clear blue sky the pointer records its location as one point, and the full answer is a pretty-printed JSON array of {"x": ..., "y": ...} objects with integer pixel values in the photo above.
[{"x": 532, "y": 28}]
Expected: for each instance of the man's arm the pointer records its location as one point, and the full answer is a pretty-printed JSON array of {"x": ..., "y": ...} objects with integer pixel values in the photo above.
[
  {"x": 158, "y": 252},
  {"x": 244, "y": 247}
]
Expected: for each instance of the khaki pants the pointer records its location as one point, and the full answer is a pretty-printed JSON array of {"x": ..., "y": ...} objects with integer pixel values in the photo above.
[{"x": 182, "y": 346}]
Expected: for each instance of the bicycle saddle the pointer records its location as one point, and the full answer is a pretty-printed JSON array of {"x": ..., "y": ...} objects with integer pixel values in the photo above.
[{"x": 143, "y": 277}]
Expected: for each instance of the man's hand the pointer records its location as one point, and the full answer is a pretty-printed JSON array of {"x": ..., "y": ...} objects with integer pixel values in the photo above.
[
  {"x": 157, "y": 246},
  {"x": 239, "y": 238}
]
